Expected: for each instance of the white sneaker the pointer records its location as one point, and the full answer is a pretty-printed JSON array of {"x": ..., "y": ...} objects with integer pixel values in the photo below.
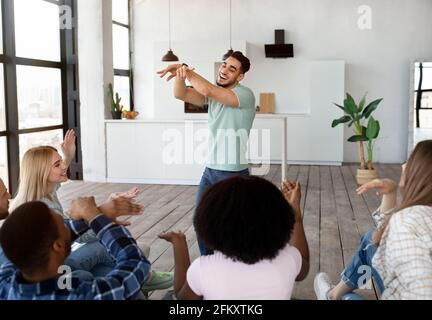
[{"x": 322, "y": 286}]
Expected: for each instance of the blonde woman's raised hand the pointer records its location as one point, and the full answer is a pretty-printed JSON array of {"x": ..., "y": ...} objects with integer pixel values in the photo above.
[{"x": 68, "y": 146}]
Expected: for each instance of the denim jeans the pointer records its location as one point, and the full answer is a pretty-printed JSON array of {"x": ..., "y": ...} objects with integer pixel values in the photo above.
[
  {"x": 92, "y": 257},
  {"x": 209, "y": 178},
  {"x": 3, "y": 258},
  {"x": 360, "y": 268}
]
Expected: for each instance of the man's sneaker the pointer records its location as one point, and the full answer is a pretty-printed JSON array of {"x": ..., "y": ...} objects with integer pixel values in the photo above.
[{"x": 322, "y": 286}]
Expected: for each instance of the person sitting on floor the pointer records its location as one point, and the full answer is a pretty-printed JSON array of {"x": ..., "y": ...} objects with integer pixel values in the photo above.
[
  {"x": 38, "y": 257},
  {"x": 258, "y": 240},
  {"x": 400, "y": 262},
  {"x": 42, "y": 172}
]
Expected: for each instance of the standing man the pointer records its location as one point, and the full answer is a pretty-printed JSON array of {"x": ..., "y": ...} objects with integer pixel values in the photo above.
[{"x": 231, "y": 115}]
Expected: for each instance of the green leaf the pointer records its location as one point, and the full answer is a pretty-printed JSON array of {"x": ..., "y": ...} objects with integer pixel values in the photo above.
[
  {"x": 344, "y": 119},
  {"x": 371, "y": 108},
  {"x": 350, "y": 105},
  {"x": 362, "y": 103},
  {"x": 373, "y": 129},
  {"x": 340, "y": 107},
  {"x": 357, "y": 138}
]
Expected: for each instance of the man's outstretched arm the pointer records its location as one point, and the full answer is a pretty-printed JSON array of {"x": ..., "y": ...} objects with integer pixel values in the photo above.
[
  {"x": 181, "y": 92},
  {"x": 222, "y": 95}
]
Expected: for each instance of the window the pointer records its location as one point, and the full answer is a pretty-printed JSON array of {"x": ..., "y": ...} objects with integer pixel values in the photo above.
[
  {"x": 123, "y": 76},
  {"x": 40, "y": 80}
]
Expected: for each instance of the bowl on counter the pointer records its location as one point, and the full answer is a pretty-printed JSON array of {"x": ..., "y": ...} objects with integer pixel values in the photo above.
[{"x": 130, "y": 115}]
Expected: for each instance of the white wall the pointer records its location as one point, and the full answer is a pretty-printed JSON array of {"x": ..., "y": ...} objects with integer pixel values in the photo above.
[
  {"x": 95, "y": 71},
  {"x": 378, "y": 60}
]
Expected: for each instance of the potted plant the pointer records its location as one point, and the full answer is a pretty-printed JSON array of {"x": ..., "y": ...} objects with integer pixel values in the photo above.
[
  {"x": 116, "y": 107},
  {"x": 366, "y": 129}
]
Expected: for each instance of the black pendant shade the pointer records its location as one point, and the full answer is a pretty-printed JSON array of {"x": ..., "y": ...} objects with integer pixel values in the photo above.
[{"x": 170, "y": 57}]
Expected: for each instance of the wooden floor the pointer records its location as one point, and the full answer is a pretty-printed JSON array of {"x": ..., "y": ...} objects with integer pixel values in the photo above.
[{"x": 335, "y": 217}]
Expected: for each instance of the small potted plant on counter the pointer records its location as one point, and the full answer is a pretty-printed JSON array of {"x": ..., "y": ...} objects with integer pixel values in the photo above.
[
  {"x": 116, "y": 107},
  {"x": 357, "y": 115}
]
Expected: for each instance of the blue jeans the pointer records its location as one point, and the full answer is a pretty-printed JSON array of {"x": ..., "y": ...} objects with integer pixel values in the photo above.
[
  {"x": 209, "y": 178},
  {"x": 3, "y": 258},
  {"x": 360, "y": 268},
  {"x": 92, "y": 257}
]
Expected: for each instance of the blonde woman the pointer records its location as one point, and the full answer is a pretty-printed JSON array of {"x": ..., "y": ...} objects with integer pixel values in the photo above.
[
  {"x": 404, "y": 255},
  {"x": 399, "y": 252},
  {"x": 42, "y": 172}
]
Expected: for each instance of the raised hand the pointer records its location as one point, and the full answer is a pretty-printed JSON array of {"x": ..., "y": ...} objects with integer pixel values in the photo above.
[
  {"x": 382, "y": 187},
  {"x": 130, "y": 194},
  {"x": 173, "y": 237},
  {"x": 171, "y": 69},
  {"x": 292, "y": 193},
  {"x": 68, "y": 146}
]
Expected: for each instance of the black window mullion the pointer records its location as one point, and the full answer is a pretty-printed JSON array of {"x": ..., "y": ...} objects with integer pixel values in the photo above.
[
  {"x": 419, "y": 96},
  {"x": 11, "y": 95},
  {"x": 70, "y": 88}
]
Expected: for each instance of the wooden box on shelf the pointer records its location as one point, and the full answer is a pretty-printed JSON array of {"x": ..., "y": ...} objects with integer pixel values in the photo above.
[{"x": 267, "y": 103}]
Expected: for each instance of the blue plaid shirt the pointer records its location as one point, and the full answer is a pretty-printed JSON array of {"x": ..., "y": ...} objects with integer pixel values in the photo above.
[{"x": 124, "y": 282}]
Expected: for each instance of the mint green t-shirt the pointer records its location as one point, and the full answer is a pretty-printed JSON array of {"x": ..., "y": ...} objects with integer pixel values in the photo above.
[{"x": 229, "y": 130}]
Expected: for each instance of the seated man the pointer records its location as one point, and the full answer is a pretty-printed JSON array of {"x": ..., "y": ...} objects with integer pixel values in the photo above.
[{"x": 37, "y": 257}]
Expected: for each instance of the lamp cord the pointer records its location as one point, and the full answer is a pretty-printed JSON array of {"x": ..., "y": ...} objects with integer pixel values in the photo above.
[
  {"x": 169, "y": 23},
  {"x": 230, "y": 15}
]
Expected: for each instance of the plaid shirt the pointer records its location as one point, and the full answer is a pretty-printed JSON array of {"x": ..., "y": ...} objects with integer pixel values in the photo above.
[
  {"x": 404, "y": 256},
  {"x": 123, "y": 282}
]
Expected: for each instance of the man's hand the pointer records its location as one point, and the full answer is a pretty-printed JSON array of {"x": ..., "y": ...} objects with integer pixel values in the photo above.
[
  {"x": 130, "y": 194},
  {"x": 171, "y": 69},
  {"x": 83, "y": 209},
  {"x": 292, "y": 194},
  {"x": 68, "y": 146},
  {"x": 174, "y": 237},
  {"x": 184, "y": 72},
  {"x": 120, "y": 206},
  {"x": 382, "y": 186}
]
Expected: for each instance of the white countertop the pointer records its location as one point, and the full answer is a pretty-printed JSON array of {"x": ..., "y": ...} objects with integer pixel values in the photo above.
[{"x": 204, "y": 119}]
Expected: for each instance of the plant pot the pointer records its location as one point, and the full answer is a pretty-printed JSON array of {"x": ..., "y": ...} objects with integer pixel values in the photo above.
[
  {"x": 365, "y": 176},
  {"x": 116, "y": 115}
]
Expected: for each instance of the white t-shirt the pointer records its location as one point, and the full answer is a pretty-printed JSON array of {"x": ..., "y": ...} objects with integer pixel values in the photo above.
[{"x": 218, "y": 277}]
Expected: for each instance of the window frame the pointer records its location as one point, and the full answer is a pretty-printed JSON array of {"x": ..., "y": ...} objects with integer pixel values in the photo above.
[
  {"x": 68, "y": 66},
  {"x": 419, "y": 91},
  {"x": 126, "y": 72}
]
